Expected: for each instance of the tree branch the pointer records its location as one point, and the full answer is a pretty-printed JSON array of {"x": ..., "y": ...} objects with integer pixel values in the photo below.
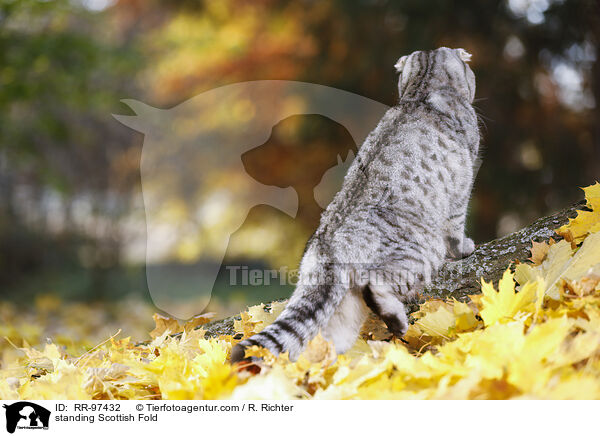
[
  {"x": 489, "y": 261},
  {"x": 463, "y": 277}
]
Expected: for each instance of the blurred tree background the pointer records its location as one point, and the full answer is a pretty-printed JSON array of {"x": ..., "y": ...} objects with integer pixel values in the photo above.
[{"x": 70, "y": 189}]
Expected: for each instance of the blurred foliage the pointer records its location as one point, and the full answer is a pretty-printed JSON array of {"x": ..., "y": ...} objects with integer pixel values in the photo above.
[
  {"x": 538, "y": 136},
  {"x": 61, "y": 75},
  {"x": 70, "y": 200},
  {"x": 62, "y": 182}
]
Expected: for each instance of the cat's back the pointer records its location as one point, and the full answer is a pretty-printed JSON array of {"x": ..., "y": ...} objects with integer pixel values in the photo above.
[{"x": 409, "y": 150}]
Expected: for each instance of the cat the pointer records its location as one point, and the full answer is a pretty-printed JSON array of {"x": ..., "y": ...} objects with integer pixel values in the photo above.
[{"x": 399, "y": 214}]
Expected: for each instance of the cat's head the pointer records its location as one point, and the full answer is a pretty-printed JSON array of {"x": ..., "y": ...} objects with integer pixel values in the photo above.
[{"x": 424, "y": 71}]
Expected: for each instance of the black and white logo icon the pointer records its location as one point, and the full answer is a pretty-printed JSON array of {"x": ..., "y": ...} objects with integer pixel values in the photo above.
[{"x": 26, "y": 415}]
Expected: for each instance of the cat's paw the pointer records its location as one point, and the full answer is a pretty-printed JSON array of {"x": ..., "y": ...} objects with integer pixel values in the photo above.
[
  {"x": 397, "y": 324},
  {"x": 242, "y": 362},
  {"x": 468, "y": 247},
  {"x": 238, "y": 354},
  {"x": 459, "y": 248}
]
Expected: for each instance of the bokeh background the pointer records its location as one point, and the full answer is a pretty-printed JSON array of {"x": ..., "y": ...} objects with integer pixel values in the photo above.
[{"x": 71, "y": 209}]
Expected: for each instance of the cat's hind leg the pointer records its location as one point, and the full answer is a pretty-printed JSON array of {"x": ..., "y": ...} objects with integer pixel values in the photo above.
[
  {"x": 385, "y": 301},
  {"x": 344, "y": 325},
  {"x": 392, "y": 286}
]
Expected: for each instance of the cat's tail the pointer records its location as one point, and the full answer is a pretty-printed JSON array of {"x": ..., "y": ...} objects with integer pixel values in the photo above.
[{"x": 308, "y": 311}]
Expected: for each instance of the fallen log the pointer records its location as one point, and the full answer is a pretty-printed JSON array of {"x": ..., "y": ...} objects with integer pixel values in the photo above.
[
  {"x": 489, "y": 261},
  {"x": 460, "y": 278}
]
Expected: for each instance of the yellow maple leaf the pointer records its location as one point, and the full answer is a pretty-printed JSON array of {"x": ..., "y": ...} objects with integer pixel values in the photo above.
[
  {"x": 258, "y": 317},
  {"x": 244, "y": 325},
  {"x": 578, "y": 348},
  {"x": 438, "y": 324},
  {"x": 585, "y": 222},
  {"x": 506, "y": 303},
  {"x": 65, "y": 383},
  {"x": 164, "y": 324},
  {"x": 530, "y": 369},
  {"x": 465, "y": 319},
  {"x": 269, "y": 385},
  {"x": 573, "y": 386},
  {"x": 584, "y": 286},
  {"x": 218, "y": 378},
  {"x": 374, "y": 328},
  {"x": 189, "y": 343},
  {"x": 561, "y": 263},
  {"x": 198, "y": 320},
  {"x": 206, "y": 376},
  {"x": 319, "y": 350},
  {"x": 429, "y": 306},
  {"x": 487, "y": 351},
  {"x": 539, "y": 250},
  {"x": 100, "y": 380}
]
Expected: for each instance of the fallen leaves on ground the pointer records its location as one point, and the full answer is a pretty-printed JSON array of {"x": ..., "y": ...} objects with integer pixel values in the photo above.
[{"x": 535, "y": 334}]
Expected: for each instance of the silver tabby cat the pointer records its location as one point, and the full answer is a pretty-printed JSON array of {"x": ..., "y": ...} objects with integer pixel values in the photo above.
[{"x": 401, "y": 211}]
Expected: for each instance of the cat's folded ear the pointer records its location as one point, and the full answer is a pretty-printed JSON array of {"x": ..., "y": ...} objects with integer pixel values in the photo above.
[
  {"x": 400, "y": 64},
  {"x": 464, "y": 55}
]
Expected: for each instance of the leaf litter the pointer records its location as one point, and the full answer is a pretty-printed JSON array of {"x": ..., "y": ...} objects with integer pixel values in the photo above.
[{"x": 534, "y": 335}]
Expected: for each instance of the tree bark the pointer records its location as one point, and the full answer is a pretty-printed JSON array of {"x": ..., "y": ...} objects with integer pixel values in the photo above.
[
  {"x": 489, "y": 261},
  {"x": 460, "y": 278}
]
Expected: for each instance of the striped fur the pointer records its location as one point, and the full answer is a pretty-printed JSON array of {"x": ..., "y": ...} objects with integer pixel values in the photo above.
[{"x": 401, "y": 211}]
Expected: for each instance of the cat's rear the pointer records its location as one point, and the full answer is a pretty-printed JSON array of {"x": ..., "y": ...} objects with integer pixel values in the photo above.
[{"x": 401, "y": 211}]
